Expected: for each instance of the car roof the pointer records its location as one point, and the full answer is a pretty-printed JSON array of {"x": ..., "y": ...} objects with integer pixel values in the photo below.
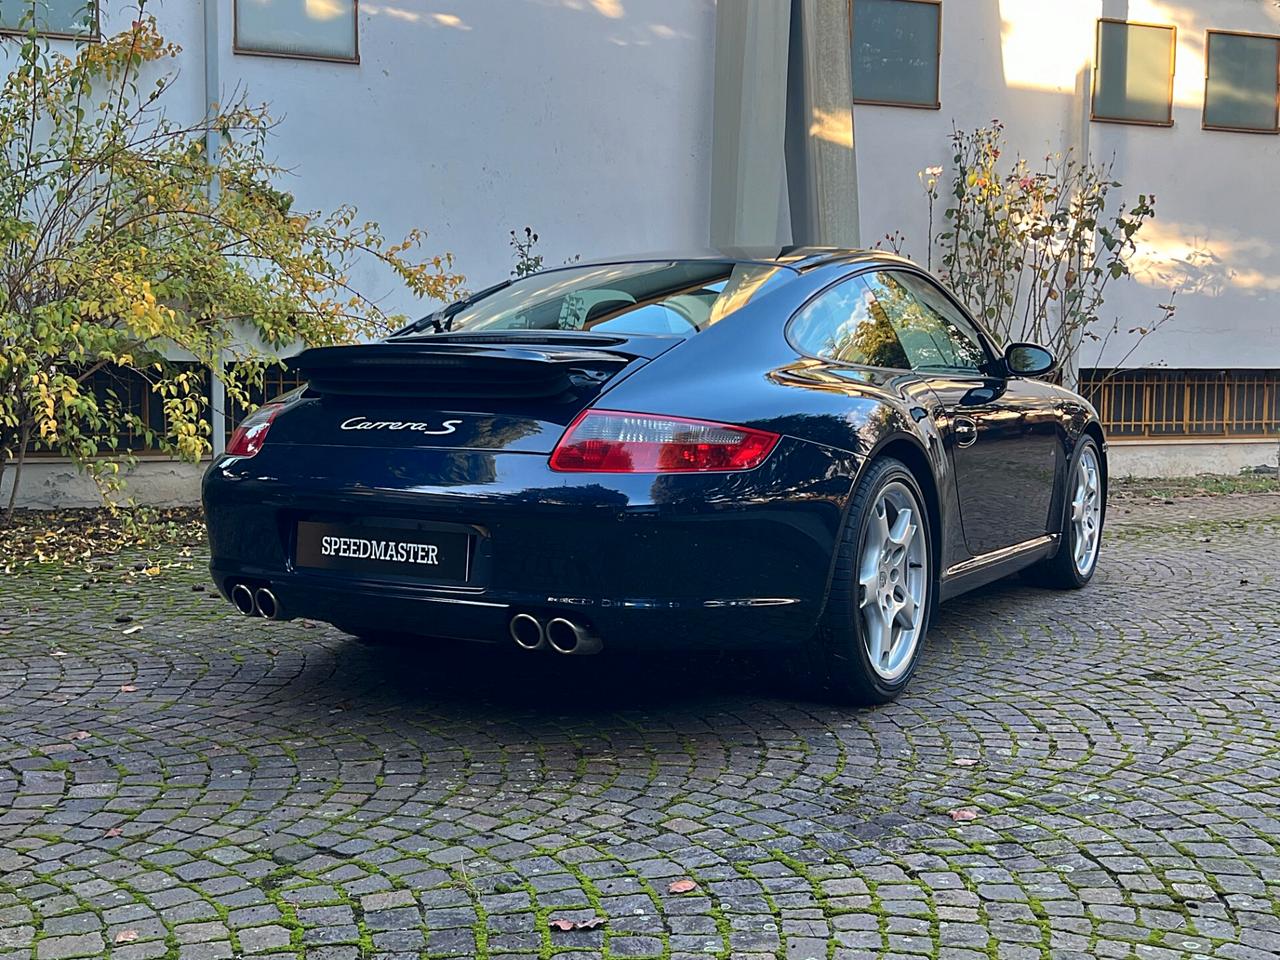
[{"x": 796, "y": 257}]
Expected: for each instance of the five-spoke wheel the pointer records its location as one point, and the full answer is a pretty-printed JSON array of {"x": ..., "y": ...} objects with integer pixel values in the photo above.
[
  {"x": 881, "y": 591},
  {"x": 893, "y": 581},
  {"x": 1086, "y": 511}
]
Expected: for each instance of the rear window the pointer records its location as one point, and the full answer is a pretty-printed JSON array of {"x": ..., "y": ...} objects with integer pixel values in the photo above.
[{"x": 681, "y": 297}]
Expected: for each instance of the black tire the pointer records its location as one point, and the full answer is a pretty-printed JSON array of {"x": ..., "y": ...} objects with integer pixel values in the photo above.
[
  {"x": 1060, "y": 572},
  {"x": 836, "y": 660}
]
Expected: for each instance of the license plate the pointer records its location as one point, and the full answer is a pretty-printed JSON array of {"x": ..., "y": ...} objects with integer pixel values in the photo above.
[{"x": 394, "y": 551}]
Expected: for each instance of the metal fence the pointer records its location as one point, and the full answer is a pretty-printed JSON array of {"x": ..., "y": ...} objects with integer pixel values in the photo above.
[{"x": 1161, "y": 403}]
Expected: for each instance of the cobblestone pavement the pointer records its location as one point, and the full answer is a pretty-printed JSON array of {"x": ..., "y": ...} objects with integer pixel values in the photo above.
[{"x": 187, "y": 783}]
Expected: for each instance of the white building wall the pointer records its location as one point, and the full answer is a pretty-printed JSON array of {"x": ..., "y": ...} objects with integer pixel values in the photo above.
[
  {"x": 591, "y": 121},
  {"x": 1028, "y": 63}
]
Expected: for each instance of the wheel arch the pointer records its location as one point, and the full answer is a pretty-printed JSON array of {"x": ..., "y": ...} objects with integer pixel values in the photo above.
[
  {"x": 910, "y": 453},
  {"x": 1094, "y": 429}
]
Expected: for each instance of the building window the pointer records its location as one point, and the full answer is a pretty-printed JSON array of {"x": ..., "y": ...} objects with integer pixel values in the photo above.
[
  {"x": 896, "y": 45},
  {"x": 1185, "y": 403},
  {"x": 307, "y": 29},
  {"x": 1133, "y": 73},
  {"x": 1242, "y": 82},
  {"x": 53, "y": 18}
]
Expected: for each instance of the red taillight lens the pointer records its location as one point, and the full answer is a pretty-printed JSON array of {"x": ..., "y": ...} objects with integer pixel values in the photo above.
[
  {"x": 610, "y": 441},
  {"x": 252, "y": 432}
]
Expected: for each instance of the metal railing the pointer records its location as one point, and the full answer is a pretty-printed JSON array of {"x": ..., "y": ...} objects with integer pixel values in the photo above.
[{"x": 1172, "y": 404}]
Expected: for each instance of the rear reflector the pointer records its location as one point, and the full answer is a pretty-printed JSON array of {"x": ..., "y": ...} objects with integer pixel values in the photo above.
[{"x": 611, "y": 441}]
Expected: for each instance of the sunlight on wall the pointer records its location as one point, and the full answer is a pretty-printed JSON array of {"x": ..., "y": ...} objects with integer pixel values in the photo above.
[
  {"x": 326, "y": 9},
  {"x": 396, "y": 13},
  {"x": 1042, "y": 48},
  {"x": 1188, "y": 78},
  {"x": 608, "y": 8},
  {"x": 832, "y": 126},
  {"x": 450, "y": 20},
  {"x": 1204, "y": 260}
]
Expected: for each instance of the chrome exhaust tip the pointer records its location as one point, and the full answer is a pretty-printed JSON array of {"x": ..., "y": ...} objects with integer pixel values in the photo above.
[
  {"x": 242, "y": 597},
  {"x": 565, "y": 636},
  {"x": 267, "y": 604},
  {"x": 527, "y": 632}
]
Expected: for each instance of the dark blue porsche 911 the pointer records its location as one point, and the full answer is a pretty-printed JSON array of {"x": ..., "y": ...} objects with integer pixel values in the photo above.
[{"x": 806, "y": 452}]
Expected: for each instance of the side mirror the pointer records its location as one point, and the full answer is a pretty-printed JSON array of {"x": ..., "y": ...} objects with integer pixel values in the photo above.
[{"x": 1028, "y": 360}]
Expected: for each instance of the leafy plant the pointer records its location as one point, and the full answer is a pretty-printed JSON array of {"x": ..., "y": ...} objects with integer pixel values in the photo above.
[
  {"x": 1032, "y": 251},
  {"x": 124, "y": 245},
  {"x": 522, "y": 244}
]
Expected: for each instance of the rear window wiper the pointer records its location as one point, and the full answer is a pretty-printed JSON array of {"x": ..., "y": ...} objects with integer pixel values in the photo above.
[{"x": 442, "y": 319}]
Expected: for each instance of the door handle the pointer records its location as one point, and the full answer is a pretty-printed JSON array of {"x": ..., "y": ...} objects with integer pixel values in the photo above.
[{"x": 966, "y": 432}]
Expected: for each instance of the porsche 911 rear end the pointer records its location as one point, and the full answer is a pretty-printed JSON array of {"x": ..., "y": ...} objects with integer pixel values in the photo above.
[{"x": 482, "y": 487}]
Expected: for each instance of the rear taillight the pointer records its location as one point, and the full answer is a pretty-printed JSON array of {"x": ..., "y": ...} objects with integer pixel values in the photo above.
[
  {"x": 252, "y": 432},
  {"x": 610, "y": 441}
]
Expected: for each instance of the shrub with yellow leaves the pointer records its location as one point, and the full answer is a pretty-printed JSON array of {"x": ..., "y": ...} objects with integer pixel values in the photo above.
[{"x": 123, "y": 245}]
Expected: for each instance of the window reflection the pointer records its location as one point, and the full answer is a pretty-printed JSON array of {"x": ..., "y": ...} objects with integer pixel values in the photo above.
[
  {"x": 69, "y": 18},
  {"x": 845, "y": 324},
  {"x": 680, "y": 297},
  {"x": 934, "y": 335},
  {"x": 321, "y": 29}
]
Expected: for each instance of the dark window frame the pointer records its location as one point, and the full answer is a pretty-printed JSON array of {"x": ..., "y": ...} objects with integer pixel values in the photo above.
[
  {"x": 937, "y": 73},
  {"x": 240, "y": 50},
  {"x": 1204, "y": 106},
  {"x": 90, "y": 36},
  {"x": 1097, "y": 59}
]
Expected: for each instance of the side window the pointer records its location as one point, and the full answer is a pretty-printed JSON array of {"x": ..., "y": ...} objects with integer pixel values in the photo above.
[
  {"x": 843, "y": 324},
  {"x": 933, "y": 333}
]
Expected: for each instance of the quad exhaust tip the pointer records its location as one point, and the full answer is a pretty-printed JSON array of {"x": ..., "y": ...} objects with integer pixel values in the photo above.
[
  {"x": 261, "y": 602},
  {"x": 559, "y": 634},
  {"x": 267, "y": 604},
  {"x": 565, "y": 636},
  {"x": 242, "y": 597},
  {"x": 527, "y": 632}
]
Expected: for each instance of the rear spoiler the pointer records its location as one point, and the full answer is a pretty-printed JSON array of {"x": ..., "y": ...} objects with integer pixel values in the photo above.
[{"x": 434, "y": 368}]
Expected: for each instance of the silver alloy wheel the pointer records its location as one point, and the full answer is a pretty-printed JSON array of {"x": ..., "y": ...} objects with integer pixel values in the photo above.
[
  {"x": 1086, "y": 512},
  {"x": 894, "y": 579}
]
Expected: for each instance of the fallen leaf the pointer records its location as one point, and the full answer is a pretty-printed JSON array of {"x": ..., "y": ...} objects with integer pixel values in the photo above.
[
  {"x": 80, "y": 735},
  {"x": 964, "y": 762},
  {"x": 123, "y": 618},
  {"x": 57, "y": 653},
  {"x": 113, "y": 832},
  {"x": 128, "y": 688},
  {"x": 682, "y": 886},
  {"x": 567, "y": 925},
  {"x": 962, "y": 815},
  {"x": 152, "y": 571},
  {"x": 126, "y": 936},
  {"x": 131, "y": 630}
]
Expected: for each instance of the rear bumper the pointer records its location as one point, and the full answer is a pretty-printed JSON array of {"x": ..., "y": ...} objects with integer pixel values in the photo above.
[{"x": 725, "y": 560}]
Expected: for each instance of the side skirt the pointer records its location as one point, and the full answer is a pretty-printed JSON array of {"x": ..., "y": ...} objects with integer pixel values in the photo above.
[{"x": 977, "y": 571}]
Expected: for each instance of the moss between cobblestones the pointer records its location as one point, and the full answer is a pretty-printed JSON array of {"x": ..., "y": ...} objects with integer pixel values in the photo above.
[{"x": 1124, "y": 713}]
